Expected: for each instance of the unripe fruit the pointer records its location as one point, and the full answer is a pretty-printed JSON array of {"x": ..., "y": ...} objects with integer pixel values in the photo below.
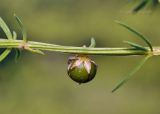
[{"x": 81, "y": 68}]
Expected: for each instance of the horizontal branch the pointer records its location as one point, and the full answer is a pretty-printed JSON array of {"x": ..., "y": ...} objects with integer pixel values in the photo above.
[{"x": 5, "y": 43}]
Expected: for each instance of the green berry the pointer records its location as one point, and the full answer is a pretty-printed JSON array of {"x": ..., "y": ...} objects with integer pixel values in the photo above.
[{"x": 81, "y": 69}]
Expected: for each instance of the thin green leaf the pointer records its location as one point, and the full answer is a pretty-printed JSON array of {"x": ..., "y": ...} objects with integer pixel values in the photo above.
[
  {"x": 5, "y": 28},
  {"x": 18, "y": 54},
  {"x": 137, "y": 46},
  {"x": 137, "y": 33},
  {"x": 14, "y": 35},
  {"x": 24, "y": 33},
  {"x": 5, "y": 54},
  {"x": 93, "y": 43},
  {"x": 123, "y": 81},
  {"x": 35, "y": 51},
  {"x": 140, "y": 6}
]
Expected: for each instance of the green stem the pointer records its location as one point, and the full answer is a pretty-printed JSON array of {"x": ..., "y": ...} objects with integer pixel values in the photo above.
[{"x": 5, "y": 43}]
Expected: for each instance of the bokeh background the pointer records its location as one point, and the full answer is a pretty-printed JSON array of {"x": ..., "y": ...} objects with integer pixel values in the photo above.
[{"x": 39, "y": 84}]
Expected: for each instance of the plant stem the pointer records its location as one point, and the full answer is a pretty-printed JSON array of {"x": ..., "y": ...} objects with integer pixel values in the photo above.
[{"x": 19, "y": 44}]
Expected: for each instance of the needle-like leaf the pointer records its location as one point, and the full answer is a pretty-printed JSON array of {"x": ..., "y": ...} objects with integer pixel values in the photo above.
[
  {"x": 123, "y": 81},
  {"x": 5, "y": 29},
  {"x": 14, "y": 35},
  {"x": 24, "y": 33},
  {"x": 93, "y": 43},
  {"x": 141, "y": 5},
  {"x": 135, "y": 45},
  {"x": 136, "y": 33},
  {"x": 5, "y": 54},
  {"x": 18, "y": 54},
  {"x": 35, "y": 51}
]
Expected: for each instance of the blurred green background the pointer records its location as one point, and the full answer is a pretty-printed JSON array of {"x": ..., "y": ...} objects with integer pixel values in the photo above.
[{"x": 39, "y": 84}]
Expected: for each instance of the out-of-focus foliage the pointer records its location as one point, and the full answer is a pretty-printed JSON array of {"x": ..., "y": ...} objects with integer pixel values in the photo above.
[
  {"x": 143, "y": 3},
  {"x": 39, "y": 84}
]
